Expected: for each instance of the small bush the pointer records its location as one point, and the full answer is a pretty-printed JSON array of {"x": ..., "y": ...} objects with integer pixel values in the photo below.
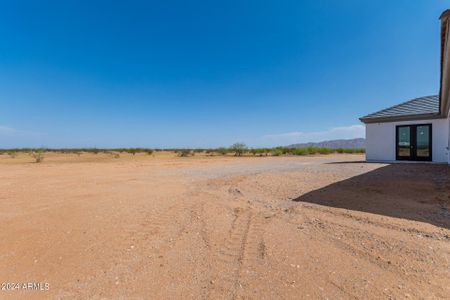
[
  {"x": 253, "y": 151},
  {"x": 325, "y": 150},
  {"x": 221, "y": 151},
  {"x": 300, "y": 151},
  {"x": 276, "y": 152},
  {"x": 132, "y": 151},
  {"x": 38, "y": 156},
  {"x": 260, "y": 151},
  {"x": 184, "y": 153}
]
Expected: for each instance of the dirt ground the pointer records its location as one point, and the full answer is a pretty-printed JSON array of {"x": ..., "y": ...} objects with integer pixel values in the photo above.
[{"x": 143, "y": 227}]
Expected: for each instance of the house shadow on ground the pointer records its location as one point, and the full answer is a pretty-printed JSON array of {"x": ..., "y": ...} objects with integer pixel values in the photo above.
[{"x": 418, "y": 192}]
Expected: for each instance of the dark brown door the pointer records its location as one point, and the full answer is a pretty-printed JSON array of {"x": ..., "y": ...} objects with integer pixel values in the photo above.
[{"x": 413, "y": 142}]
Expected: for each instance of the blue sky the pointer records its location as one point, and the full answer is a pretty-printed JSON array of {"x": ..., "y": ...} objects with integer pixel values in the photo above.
[{"x": 208, "y": 73}]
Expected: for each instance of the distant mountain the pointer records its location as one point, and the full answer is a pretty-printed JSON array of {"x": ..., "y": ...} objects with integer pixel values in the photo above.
[{"x": 358, "y": 143}]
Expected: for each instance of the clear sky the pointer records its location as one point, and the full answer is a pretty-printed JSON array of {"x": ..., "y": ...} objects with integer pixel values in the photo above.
[{"x": 208, "y": 73}]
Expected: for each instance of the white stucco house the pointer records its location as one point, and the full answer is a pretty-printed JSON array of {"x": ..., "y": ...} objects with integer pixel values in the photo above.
[{"x": 418, "y": 129}]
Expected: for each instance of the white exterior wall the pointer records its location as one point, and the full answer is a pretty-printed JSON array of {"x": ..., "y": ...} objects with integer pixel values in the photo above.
[
  {"x": 380, "y": 140},
  {"x": 448, "y": 136}
]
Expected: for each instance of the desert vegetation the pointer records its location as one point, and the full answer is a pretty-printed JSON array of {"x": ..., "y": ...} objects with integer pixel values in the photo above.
[
  {"x": 38, "y": 155},
  {"x": 237, "y": 149},
  {"x": 185, "y": 152}
]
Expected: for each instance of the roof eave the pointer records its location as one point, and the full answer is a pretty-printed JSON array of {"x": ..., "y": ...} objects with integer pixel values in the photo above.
[{"x": 402, "y": 118}]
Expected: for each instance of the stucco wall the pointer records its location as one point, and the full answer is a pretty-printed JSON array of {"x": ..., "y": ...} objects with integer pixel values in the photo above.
[{"x": 380, "y": 140}]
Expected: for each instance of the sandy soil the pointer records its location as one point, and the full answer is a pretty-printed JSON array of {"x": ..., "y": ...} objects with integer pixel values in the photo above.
[{"x": 141, "y": 227}]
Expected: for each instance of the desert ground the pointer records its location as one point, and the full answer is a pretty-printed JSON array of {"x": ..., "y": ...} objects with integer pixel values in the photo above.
[{"x": 165, "y": 227}]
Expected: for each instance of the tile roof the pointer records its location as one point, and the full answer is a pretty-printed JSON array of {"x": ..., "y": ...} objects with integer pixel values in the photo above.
[{"x": 428, "y": 106}]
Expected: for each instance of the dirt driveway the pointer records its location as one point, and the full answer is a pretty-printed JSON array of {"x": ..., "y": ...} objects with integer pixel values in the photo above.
[{"x": 224, "y": 228}]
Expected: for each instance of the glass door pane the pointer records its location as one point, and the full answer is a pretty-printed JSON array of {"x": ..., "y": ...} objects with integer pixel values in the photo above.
[
  {"x": 404, "y": 141},
  {"x": 423, "y": 141}
]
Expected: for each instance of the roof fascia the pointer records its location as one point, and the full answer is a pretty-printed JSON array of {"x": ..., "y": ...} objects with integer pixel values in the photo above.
[{"x": 402, "y": 118}]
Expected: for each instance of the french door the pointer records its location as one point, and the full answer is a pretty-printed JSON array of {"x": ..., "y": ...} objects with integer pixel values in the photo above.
[{"x": 413, "y": 142}]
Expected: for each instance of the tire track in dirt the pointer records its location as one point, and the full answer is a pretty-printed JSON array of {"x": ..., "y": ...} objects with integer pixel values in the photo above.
[
  {"x": 243, "y": 247},
  {"x": 203, "y": 226}
]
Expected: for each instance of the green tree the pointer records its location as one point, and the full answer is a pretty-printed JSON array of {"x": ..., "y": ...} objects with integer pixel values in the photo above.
[{"x": 238, "y": 148}]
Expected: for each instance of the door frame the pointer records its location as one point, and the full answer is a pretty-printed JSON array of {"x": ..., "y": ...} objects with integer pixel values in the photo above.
[{"x": 413, "y": 142}]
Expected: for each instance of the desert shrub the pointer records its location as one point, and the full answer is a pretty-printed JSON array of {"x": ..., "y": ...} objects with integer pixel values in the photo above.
[
  {"x": 184, "y": 152},
  {"x": 315, "y": 150},
  {"x": 12, "y": 154},
  {"x": 286, "y": 150},
  {"x": 351, "y": 150},
  {"x": 38, "y": 155},
  {"x": 116, "y": 155},
  {"x": 149, "y": 151},
  {"x": 252, "y": 151},
  {"x": 276, "y": 152},
  {"x": 348, "y": 150},
  {"x": 300, "y": 151},
  {"x": 221, "y": 151},
  {"x": 312, "y": 150},
  {"x": 238, "y": 148},
  {"x": 132, "y": 151},
  {"x": 325, "y": 150},
  {"x": 260, "y": 151}
]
